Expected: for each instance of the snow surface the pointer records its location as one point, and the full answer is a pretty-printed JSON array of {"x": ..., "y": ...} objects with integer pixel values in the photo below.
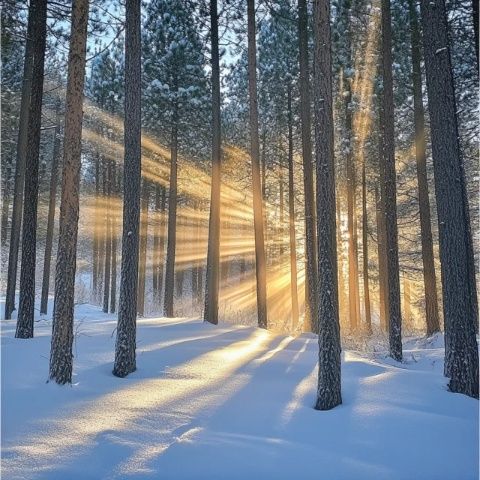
[{"x": 223, "y": 402}]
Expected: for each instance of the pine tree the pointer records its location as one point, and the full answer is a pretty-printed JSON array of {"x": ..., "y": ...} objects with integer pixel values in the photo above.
[
  {"x": 213, "y": 255},
  {"x": 461, "y": 350},
  {"x": 23, "y": 129},
  {"x": 388, "y": 185},
  {"x": 329, "y": 362},
  {"x": 29, "y": 227},
  {"x": 125, "y": 361},
  {"x": 61, "y": 355},
  {"x": 260, "y": 259}
]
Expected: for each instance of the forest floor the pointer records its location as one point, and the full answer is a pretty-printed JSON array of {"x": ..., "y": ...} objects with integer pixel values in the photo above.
[{"x": 216, "y": 402}]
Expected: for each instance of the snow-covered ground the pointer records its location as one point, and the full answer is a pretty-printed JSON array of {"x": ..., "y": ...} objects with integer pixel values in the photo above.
[{"x": 223, "y": 402}]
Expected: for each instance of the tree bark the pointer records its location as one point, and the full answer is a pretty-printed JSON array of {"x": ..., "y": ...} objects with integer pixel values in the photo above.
[
  {"x": 461, "y": 350},
  {"x": 329, "y": 362},
  {"x": 29, "y": 227},
  {"x": 96, "y": 236},
  {"x": 381, "y": 253},
  {"x": 310, "y": 218},
  {"x": 51, "y": 215},
  {"x": 6, "y": 194},
  {"x": 429, "y": 278},
  {"x": 125, "y": 361},
  {"x": 18, "y": 188},
  {"x": 389, "y": 190},
  {"x": 260, "y": 259},
  {"x": 156, "y": 244},
  {"x": 61, "y": 355},
  {"x": 114, "y": 234}
]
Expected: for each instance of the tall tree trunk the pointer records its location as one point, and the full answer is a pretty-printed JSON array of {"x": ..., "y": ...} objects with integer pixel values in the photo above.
[
  {"x": 29, "y": 227},
  {"x": 389, "y": 189},
  {"x": 142, "y": 261},
  {"x": 461, "y": 350},
  {"x": 291, "y": 214},
  {"x": 310, "y": 220},
  {"x": 107, "y": 185},
  {"x": 96, "y": 235},
  {"x": 407, "y": 301},
  {"x": 17, "y": 208},
  {"x": 342, "y": 296},
  {"x": 429, "y": 278},
  {"x": 366, "y": 287},
  {"x": 114, "y": 235},
  {"x": 475, "y": 25},
  {"x": 125, "y": 361},
  {"x": 210, "y": 312},
  {"x": 172, "y": 225},
  {"x": 51, "y": 215},
  {"x": 102, "y": 234},
  {"x": 162, "y": 240},
  {"x": 260, "y": 259},
  {"x": 329, "y": 363},
  {"x": 280, "y": 235},
  {"x": 61, "y": 356}
]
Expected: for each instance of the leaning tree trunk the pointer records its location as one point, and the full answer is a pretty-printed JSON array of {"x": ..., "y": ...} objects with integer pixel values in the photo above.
[
  {"x": 125, "y": 344},
  {"x": 310, "y": 220},
  {"x": 18, "y": 187},
  {"x": 329, "y": 364},
  {"x": 61, "y": 355},
  {"x": 51, "y": 216},
  {"x": 429, "y": 279},
  {"x": 389, "y": 189},
  {"x": 172, "y": 224},
  {"x": 291, "y": 217},
  {"x": 260, "y": 259},
  {"x": 461, "y": 350},
  {"x": 29, "y": 227}
]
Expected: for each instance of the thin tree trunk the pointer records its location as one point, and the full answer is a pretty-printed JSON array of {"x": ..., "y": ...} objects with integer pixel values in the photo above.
[
  {"x": 389, "y": 190},
  {"x": 125, "y": 361},
  {"x": 260, "y": 259},
  {"x": 96, "y": 242},
  {"x": 310, "y": 220},
  {"x": 142, "y": 261},
  {"x": 459, "y": 306},
  {"x": 162, "y": 240},
  {"x": 280, "y": 235},
  {"x": 329, "y": 362},
  {"x": 366, "y": 287},
  {"x": 107, "y": 185},
  {"x": 406, "y": 302},
  {"x": 61, "y": 356},
  {"x": 6, "y": 194},
  {"x": 114, "y": 230},
  {"x": 429, "y": 278},
  {"x": 18, "y": 188},
  {"x": 156, "y": 244},
  {"x": 51, "y": 215},
  {"x": 291, "y": 213},
  {"x": 172, "y": 225},
  {"x": 29, "y": 227},
  {"x": 101, "y": 234},
  {"x": 381, "y": 253}
]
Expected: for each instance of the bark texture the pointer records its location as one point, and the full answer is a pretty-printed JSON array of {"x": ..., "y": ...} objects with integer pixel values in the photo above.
[
  {"x": 61, "y": 356},
  {"x": 29, "y": 227},
  {"x": 461, "y": 350},
  {"x": 329, "y": 362},
  {"x": 125, "y": 361}
]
